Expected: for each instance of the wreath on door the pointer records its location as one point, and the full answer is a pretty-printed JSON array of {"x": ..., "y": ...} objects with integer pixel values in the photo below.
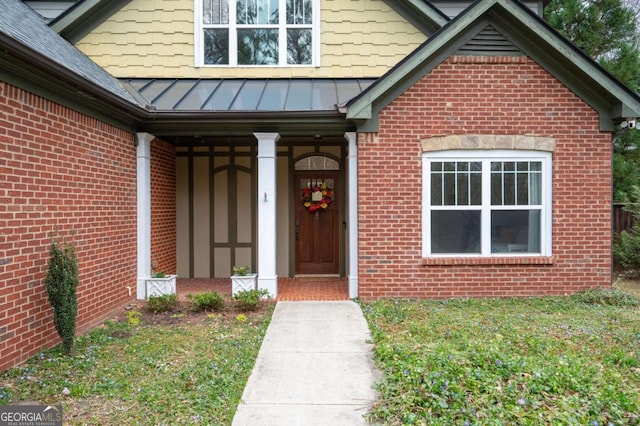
[{"x": 317, "y": 197}]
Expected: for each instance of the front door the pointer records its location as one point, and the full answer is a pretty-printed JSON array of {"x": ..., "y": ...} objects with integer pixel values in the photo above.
[{"x": 317, "y": 223}]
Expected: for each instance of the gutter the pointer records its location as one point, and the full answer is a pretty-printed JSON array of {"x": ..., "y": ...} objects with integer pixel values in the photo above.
[{"x": 26, "y": 65}]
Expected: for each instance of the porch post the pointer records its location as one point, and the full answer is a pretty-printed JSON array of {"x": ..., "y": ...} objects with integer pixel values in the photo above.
[
  {"x": 267, "y": 278},
  {"x": 143, "y": 172},
  {"x": 352, "y": 214}
]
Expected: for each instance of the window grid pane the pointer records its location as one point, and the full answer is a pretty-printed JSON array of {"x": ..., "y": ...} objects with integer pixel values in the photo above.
[
  {"x": 257, "y": 46},
  {"x": 257, "y": 12},
  {"x": 216, "y": 46},
  {"x": 215, "y": 12},
  {"x": 299, "y": 46},
  {"x": 516, "y": 183},
  {"x": 299, "y": 12},
  {"x": 459, "y": 183}
]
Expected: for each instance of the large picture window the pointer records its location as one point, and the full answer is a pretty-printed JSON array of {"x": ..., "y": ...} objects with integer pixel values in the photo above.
[
  {"x": 487, "y": 203},
  {"x": 256, "y": 32}
]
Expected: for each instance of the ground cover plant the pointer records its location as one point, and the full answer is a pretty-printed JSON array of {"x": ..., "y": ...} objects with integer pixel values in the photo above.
[
  {"x": 537, "y": 361},
  {"x": 172, "y": 368}
]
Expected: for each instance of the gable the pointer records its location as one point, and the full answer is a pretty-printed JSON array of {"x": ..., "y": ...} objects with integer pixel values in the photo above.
[
  {"x": 360, "y": 39},
  {"x": 517, "y": 30}
]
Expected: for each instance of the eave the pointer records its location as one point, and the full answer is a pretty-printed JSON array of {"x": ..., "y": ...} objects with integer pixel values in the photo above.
[
  {"x": 208, "y": 123},
  {"x": 421, "y": 14},
  {"x": 29, "y": 70},
  {"x": 84, "y": 17}
]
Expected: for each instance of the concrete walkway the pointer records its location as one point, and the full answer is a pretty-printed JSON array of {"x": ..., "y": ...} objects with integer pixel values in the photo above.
[{"x": 314, "y": 368}]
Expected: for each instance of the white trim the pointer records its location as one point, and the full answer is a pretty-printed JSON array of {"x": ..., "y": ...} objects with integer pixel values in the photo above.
[
  {"x": 352, "y": 213},
  {"x": 143, "y": 190},
  {"x": 486, "y": 156},
  {"x": 316, "y": 34},
  {"x": 198, "y": 43},
  {"x": 233, "y": 26},
  {"x": 267, "y": 215}
]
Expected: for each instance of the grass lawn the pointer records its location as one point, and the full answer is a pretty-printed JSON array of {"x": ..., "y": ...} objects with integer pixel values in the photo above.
[
  {"x": 189, "y": 372},
  {"x": 536, "y": 361}
]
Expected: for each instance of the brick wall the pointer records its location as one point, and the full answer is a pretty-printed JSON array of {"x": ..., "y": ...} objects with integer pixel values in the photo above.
[
  {"x": 163, "y": 207},
  {"x": 61, "y": 174},
  {"x": 466, "y": 95}
]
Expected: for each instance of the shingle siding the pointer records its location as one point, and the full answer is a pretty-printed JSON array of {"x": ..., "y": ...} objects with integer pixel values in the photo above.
[{"x": 155, "y": 39}]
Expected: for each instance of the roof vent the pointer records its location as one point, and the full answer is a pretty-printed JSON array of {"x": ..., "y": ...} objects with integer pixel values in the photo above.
[{"x": 489, "y": 42}]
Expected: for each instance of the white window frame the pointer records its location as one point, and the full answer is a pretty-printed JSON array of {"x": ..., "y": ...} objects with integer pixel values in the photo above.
[
  {"x": 199, "y": 28},
  {"x": 486, "y": 157}
]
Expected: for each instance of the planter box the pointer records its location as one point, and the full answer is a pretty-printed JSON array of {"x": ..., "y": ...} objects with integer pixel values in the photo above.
[
  {"x": 160, "y": 286},
  {"x": 243, "y": 283}
]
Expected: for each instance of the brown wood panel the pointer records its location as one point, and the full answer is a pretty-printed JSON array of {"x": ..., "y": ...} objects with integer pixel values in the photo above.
[{"x": 317, "y": 249}]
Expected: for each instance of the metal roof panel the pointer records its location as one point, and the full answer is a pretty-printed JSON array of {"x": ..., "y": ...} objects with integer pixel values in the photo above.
[{"x": 262, "y": 95}]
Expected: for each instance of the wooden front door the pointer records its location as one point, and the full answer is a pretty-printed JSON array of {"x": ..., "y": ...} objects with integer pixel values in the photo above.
[{"x": 317, "y": 223}]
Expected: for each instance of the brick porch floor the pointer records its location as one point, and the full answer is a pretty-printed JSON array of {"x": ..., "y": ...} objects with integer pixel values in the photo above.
[{"x": 289, "y": 289}]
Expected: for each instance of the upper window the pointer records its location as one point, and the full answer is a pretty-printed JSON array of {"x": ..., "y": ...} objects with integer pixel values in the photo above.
[
  {"x": 257, "y": 32},
  {"x": 486, "y": 203}
]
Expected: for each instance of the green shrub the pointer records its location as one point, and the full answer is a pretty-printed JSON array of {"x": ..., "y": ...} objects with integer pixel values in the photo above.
[
  {"x": 61, "y": 283},
  {"x": 163, "y": 303},
  {"x": 626, "y": 248},
  {"x": 607, "y": 296},
  {"x": 249, "y": 300},
  {"x": 133, "y": 317},
  {"x": 241, "y": 270},
  {"x": 210, "y": 301}
]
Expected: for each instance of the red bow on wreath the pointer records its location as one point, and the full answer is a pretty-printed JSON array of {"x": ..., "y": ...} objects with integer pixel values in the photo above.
[{"x": 317, "y": 197}]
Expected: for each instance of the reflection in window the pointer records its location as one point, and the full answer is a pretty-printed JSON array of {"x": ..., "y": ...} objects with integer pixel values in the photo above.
[
  {"x": 455, "y": 231},
  {"x": 248, "y": 32},
  {"x": 317, "y": 162},
  {"x": 487, "y": 205}
]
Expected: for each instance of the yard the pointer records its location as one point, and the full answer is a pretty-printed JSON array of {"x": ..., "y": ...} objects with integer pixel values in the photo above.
[
  {"x": 561, "y": 360},
  {"x": 539, "y": 361},
  {"x": 174, "y": 368}
]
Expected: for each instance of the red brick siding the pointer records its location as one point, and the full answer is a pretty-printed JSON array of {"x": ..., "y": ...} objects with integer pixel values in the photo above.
[
  {"x": 61, "y": 173},
  {"x": 163, "y": 207},
  {"x": 483, "y": 96}
]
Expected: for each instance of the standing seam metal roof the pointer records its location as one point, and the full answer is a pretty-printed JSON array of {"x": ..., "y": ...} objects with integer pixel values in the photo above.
[{"x": 255, "y": 95}]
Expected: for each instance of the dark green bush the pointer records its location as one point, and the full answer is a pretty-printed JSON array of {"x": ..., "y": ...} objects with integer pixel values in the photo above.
[
  {"x": 163, "y": 303},
  {"x": 607, "y": 296},
  {"x": 210, "y": 301},
  {"x": 61, "y": 282},
  {"x": 626, "y": 248},
  {"x": 249, "y": 300}
]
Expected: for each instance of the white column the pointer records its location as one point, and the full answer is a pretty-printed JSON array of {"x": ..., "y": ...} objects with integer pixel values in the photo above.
[
  {"x": 352, "y": 213},
  {"x": 143, "y": 172},
  {"x": 267, "y": 278}
]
